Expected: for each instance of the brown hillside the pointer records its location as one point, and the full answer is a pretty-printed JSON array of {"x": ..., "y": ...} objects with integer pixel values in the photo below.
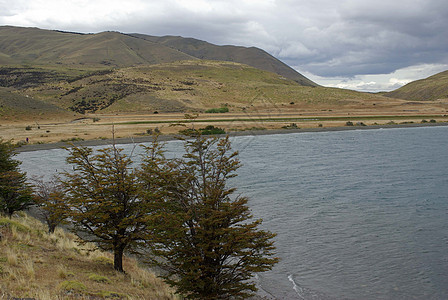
[
  {"x": 252, "y": 56},
  {"x": 41, "y": 47},
  {"x": 14, "y": 106},
  {"x": 431, "y": 88}
]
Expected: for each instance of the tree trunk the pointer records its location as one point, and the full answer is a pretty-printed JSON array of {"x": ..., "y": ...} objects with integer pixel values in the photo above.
[
  {"x": 51, "y": 228},
  {"x": 118, "y": 258}
]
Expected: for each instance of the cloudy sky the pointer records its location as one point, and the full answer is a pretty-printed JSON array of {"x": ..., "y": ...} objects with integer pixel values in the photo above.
[{"x": 367, "y": 45}]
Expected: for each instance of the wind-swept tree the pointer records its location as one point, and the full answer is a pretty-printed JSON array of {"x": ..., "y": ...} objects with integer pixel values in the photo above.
[
  {"x": 203, "y": 235},
  {"x": 102, "y": 193},
  {"x": 49, "y": 197},
  {"x": 15, "y": 194}
]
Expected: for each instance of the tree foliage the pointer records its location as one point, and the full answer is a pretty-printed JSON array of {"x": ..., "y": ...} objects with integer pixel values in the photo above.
[
  {"x": 15, "y": 194},
  {"x": 49, "y": 196},
  {"x": 103, "y": 196},
  {"x": 203, "y": 235}
]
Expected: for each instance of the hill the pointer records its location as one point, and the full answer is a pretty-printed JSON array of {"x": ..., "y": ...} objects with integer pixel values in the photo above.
[
  {"x": 35, "y": 46},
  {"x": 38, "y": 265},
  {"x": 251, "y": 56},
  {"x": 15, "y": 106},
  {"x": 432, "y": 88},
  {"x": 194, "y": 85}
]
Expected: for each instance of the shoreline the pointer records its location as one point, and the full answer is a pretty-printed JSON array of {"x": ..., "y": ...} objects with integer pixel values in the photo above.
[{"x": 146, "y": 139}]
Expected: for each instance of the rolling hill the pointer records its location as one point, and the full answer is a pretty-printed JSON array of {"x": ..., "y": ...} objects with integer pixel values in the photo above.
[
  {"x": 14, "y": 105},
  {"x": 432, "y": 88},
  {"x": 188, "y": 85},
  {"x": 116, "y": 72},
  {"x": 252, "y": 56},
  {"x": 45, "y": 72},
  {"x": 35, "y": 46}
]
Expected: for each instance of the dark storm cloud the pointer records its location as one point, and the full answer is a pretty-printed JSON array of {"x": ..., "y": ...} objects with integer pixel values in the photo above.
[{"x": 378, "y": 37}]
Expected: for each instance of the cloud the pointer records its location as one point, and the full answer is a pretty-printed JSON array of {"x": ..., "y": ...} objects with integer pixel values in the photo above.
[{"x": 380, "y": 82}]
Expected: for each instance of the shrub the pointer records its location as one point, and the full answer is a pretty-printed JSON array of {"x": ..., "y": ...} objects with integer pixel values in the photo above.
[
  {"x": 432, "y": 121},
  {"x": 290, "y": 126},
  {"x": 424, "y": 121},
  {"x": 99, "y": 278},
  {"x": 72, "y": 286},
  {"x": 210, "y": 129},
  {"x": 104, "y": 260},
  {"x": 108, "y": 294},
  {"x": 5, "y": 222},
  {"x": 349, "y": 123},
  {"x": 64, "y": 273},
  {"x": 217, "y": 110},
  {"x": 28, "y": 127},
  {"x": 74, "y": 139}
]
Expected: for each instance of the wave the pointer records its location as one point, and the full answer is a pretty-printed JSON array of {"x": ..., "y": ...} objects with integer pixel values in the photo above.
[{"x": 296, "y": 288}]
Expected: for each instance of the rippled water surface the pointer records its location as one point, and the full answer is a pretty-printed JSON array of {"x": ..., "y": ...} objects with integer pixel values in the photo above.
[{"x": 359, "y": 214}]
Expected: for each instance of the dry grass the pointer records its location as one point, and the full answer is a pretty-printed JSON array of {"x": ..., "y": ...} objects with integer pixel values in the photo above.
[
  {"x": 254, "y": 99},
  {"x": 35, "y": 264},
  {"x": 135, "y": 125},
  {"x": 11, "y": 257}
]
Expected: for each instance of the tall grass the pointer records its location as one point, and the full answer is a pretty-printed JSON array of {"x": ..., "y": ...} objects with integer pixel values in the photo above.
[{"x": 35, "y": 264}]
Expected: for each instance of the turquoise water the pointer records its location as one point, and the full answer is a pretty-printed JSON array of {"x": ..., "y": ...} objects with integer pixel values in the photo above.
[{"x": 359, "y": 214}]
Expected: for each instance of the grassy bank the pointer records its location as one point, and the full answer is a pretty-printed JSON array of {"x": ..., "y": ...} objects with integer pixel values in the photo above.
[{"x": 35, "y": 264}]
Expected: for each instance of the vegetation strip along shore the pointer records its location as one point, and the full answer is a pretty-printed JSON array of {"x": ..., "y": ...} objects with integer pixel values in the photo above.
[
  {"x": 145, "y": 139},
  {"x": 273, "y": 119}
]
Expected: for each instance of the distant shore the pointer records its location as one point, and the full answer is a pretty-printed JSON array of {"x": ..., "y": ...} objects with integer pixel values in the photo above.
[{"x": 146, "y": 139}]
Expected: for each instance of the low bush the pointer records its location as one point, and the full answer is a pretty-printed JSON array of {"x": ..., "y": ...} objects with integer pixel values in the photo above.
[
  {"x": 290, "y": 126},
  {"x": 5, "y": 222},
  {"x": 99, "y": 278},
  {"x": 217, "y": 110},
  {"x": 210, "y": 129},
  {"x": 74, "y": 139},
  {"x": 72, "y": 286}
]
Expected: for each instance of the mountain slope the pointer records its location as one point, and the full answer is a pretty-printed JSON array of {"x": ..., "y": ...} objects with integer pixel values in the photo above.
[
  {"x": 33, "y": 46},
  {"x": 432, "y": 88},
  {"x": 182, "y": 86},
  {"x": 252, "y": 56},
  {"x": 42, "y": 47},
  {"x": 13, "y": 105}
]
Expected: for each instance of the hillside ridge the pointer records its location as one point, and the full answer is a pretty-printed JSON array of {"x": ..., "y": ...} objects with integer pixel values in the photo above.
[
  {"x": 251, "y": 56},
  {"x": 432, "y": 88},
  {"x": 19, "y": 45}
]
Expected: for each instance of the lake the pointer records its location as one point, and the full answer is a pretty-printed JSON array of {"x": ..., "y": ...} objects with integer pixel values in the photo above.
[{"x": 359, "y": 214}]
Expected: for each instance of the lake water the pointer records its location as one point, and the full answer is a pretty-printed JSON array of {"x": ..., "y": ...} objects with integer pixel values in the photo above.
[{"x": 359, "y": 214}]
